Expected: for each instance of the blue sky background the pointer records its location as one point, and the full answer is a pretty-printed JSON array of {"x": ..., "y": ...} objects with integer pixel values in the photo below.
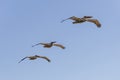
[{"x": 91, "y": 53}]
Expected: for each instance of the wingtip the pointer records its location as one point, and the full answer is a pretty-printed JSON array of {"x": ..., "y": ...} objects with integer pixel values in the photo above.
[
  {"x": 49, "y": 61},
  {"x": 99, "y": 26},
  {"x": 19, "y": 62},
  {"x": 62, "y": 21},
  {"x": 64, "y": 48},
  {"x": 33, "y": 45}
]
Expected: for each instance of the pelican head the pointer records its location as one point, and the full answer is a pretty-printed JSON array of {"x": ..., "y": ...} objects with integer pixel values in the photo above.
[{"x": 87, "y": 17}]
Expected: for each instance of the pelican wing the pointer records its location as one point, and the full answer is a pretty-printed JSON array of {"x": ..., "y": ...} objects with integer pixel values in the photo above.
[
  {"x": 59, "y": 45},
  {"x": 22, "y": 59},
  {"x": 72, "y": 18},
  {"x": 36, "y": 44},
  {"x": 44, "y": 43},
  {"x": 95, "y": 21},
  {"x": 44, "y": 57},
  {"x": 64, "y": 20},
  {"x": 41, "y": 44}
]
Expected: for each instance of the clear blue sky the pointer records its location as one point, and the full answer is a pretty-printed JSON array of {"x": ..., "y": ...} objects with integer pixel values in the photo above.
[{"x": 91, "y": 53}]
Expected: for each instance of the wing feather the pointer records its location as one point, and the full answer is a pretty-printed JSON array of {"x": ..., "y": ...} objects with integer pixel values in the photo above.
[
  {"x": 64, "y": 20},
  {"x": 44, "y": 57},
  {"x": 72, "y": 18},
  {"x": 36, "y": 45},
  {"x": 59, "y": 45},
  {"x": 40, "y": 43},
  {"x": 22, "y": 59},
  {"x": 95, "y": 21}
]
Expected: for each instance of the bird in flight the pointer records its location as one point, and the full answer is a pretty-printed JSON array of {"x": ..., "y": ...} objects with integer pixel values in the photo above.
[
  {"x": 49, "y": 45},
  {"x": 83, "y": 19},
  {"x": 35, "y": 57}
]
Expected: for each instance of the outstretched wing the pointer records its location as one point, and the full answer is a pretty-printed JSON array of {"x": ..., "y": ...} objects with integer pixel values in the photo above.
[
  {"x": 22, "y": 59},
  {"x": 44, "y": 57},
  {"x": 43, "y": 43},
  {"x": 59, "y": 45},
  {"x": 36, "y": 45},
  {"x": 64, "y": 20},
  {"x": 39, "y": 44},
  {"x": 95, "y": 21},
  {"x": 73, "y": 18}
]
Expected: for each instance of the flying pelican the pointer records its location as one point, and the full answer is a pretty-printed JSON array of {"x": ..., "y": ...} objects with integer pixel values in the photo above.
[
  {"x": 83, "y": 19},
  {"x": 34, "y": 57},
  {"x": 49, "y": 45}
]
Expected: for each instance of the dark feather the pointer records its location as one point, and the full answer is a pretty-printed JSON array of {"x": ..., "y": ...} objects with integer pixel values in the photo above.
[{"x": 22, "y": 59}]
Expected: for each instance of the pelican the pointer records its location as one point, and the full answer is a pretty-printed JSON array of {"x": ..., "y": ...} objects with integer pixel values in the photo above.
[
  {"x": 35, "y": 57},
  {"x": 49, "y": 45},
  {"x": 83, "y": 19}
]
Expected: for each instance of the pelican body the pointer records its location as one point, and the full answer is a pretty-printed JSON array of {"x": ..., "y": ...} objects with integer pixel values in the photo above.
[
  {"x": 35, "y": 57},
  {"x": 49, "y": 45},
  {"x": 84, "y": 19}
]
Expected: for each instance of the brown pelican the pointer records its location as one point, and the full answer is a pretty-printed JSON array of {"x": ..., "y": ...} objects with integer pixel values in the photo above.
[
  {"x": 84, "y": 19},
  {"x": 49, "y": 45},
  {"x": 35, "y": 57}
]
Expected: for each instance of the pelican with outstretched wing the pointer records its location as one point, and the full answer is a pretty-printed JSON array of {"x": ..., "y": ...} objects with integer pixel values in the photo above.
[
  {"x": 46, "y": 45},
  {"x": 35, "y": 57},
  {"x": 74, "y": 18},
  {"x": 84, "y": 19},
  {"x": 49, "y": 45}
]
